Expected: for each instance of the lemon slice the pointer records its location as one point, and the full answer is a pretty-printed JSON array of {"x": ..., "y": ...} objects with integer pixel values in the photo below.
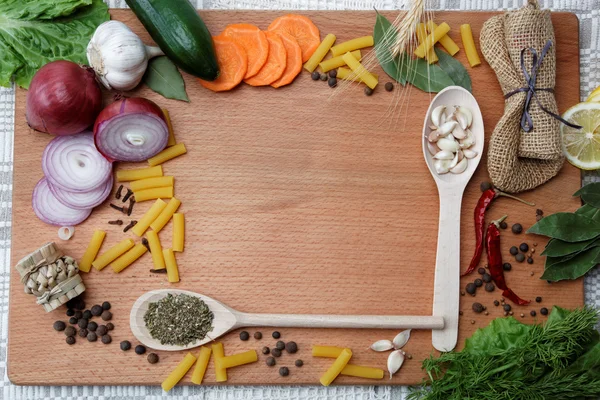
[
  {"x": 594, "y": 97},
  {"x": 595, "y": 91},
  {"x": 582, "y": 146}
]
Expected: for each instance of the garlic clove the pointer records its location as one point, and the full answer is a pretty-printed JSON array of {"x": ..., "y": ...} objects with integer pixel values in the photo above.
[
  {"x": 441, "y": 166},
  {"x": 395, "y": 361},
  {"x": 382, "y": 345},
  {"x": 468, "y": 114},
  {"x": 460, "y": 167},
  {"x": 459, "y": 132},
  {"x": 447, "y": 127},
  {"x": 401, "y": 339},
  {"x": 460, "y": 155},
  {"x": 444, "y": 155},
  {"x": 462, "y": 119},
  {"x": 433, "y": 136},
  {"x": 454, "y": 161},
  {"x": 448, "y": 144},
  {"x": 436, "y": 116},
  {"x": 467, "y": 141},
  {"x": 470, "y": 153},
  {"x": 433, "y": 148}
]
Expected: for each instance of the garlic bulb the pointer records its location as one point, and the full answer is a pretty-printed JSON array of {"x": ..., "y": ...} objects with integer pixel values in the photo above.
[{"x": 119, "y": 56}]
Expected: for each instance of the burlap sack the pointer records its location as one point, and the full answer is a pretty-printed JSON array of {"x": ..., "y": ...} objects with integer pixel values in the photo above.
[{"x": 519, "y": 160}]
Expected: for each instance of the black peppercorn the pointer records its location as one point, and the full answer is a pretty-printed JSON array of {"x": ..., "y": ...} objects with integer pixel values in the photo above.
[
  {"x": 76, "y": 303},
  {"x": 529, "y": 260},
  {"x": 78, "y": 314},
  {"x": 503, "y": 225},
  {"x": 507, "y": 307},
  {"x": 106, "y": 315},
  {"x": 140, "y": 349},
  {"x": 125, "y": 345},
  {"x": 489, "y": 287},
  {"x": 270, "y": 361},
  {"x": 524, "y": 247},
  {"x": 291, "y": 347},
  {"x": 507, "y": 266},
  {"x": 276, "y": 353},
  {"x": 102, "y": 330},
  {"x": 106, "y": 305},
  {"x": 538, "y": 299},
  {"x": 92, "y": 337},
  {"x": 82, "y": 323},
  {"x": 481, "y": 271},
  {"x": 106, "y": 339},
  {"x": 483, "y": 186},
  {"x": 73, "y": 320},
  {"x": 471, "y": 288},
  {"x": 70, "y": 312},
  {"x": 266, "y": 350},
  {"x": 244, "y": 335},
  {"x": 533, "y": 313},
  {"x": 517, "y": 228},
  {"x": 496, "y": 303},
  {"x": 389, "y": 86},
  {"x": 276, "y": 335},
  {"x": 59, "y": 326},
  {"x": 520, "y": 257},
  {"x": 315, "y": 76},
  {"x": 299, "y": 363},
  {"x": 83, "y": 333},
  {"x": 257, "y": 335},
  {"x": 478, "y": 282},
  {"x": 544, "y": 311},
  {"x": 368, "y": 91},
  {"x": 280, "y": 345},
  {"x": 110, "y": 326},
  {"x": 87, "y": 314},
  {"x": 486, "y": 278},
  {"x": 514, "y": 250},
  {"x": 152, "y": 358},
  {"x": 477, "y": 307},
  {"x": 70, "y": 331},
  {"x": 70, "y": 340},
  {"x": 96, "y": 310},
  {"x": 333, "y": 73},
  {"x": 284, "y": 371},
  {"x": 332, "y": 82},
  {"x": 92, "y": 326}
]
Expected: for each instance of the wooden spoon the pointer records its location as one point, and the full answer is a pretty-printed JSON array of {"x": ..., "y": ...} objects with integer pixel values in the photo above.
[
  {"x": 450, "y": 188},
  {"x": 227, "y": 319}
]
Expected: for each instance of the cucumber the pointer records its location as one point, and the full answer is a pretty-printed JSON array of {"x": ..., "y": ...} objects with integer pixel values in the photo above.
[{"x": 180, "y": 33}]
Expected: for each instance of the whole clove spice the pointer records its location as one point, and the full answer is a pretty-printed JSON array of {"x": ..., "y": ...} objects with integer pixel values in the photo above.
[
  {"x": 130, "y": 208},
  {"x": 116, "y": 207},
  {"x": 159, "y": 271},
  {"x": 127, "y": 195},
  {"x": 129, "y": 226},
  {"x": 146, "y": 245},
  {"x": 116, "y": 222},
  {"x": 119, "y": 190}
]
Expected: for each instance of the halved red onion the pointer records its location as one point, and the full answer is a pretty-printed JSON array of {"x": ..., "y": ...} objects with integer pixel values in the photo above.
[
  {"x": 73, "y": 164},
  {"x": 83, "y": 200},
  {"x": 131, "y": 129},
  {"x": 47, "y": 207}
]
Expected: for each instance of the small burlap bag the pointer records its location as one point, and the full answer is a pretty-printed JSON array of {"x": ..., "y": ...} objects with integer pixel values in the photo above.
[{"x": 519, "y": 160}]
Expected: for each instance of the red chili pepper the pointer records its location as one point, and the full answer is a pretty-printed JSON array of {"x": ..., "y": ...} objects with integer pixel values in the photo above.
[
  {"x": 495, "y": 262},
  {"x": 482, "y": 205}
]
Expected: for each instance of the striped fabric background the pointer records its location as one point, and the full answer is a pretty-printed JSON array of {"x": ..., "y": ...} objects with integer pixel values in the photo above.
[{"x": 588, "y": 12}]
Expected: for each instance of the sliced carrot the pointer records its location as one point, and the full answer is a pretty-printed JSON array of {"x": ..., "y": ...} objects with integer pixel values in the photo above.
[
  {"x": 233, "y": 64},
  {"x": 302, "y": 29},
  {"x": 293, "y": 60},
  {"x": 275, "y": 65},
  {"x": 254, "y": 41}
]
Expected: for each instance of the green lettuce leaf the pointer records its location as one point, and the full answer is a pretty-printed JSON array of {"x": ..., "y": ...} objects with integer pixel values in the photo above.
[
  {"x": 36, "y": 32},
  {"x": 500, "y": 335}
]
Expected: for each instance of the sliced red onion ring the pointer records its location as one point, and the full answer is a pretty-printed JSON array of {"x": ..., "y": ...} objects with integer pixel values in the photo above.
[
  {"x": 73, "y": 163},
  {"x": 83, "y": 200},
  {"x": 53, "y": 212}
]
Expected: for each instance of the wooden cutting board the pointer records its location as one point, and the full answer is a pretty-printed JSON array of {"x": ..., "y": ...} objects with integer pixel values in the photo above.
[{"x": 295, "y": 202}]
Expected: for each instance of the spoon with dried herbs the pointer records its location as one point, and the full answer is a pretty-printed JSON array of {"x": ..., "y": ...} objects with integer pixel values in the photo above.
[{"x": 172, "y": 320}]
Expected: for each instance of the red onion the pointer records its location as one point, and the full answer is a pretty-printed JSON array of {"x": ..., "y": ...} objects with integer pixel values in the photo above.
[
  {"x": 73, "y": 164},
  {"x": 51, "y": 211},
  {"x": 131, "y": 129},
  {"x": 83, "y": 200},
  {"x": 63, "y": 98}
]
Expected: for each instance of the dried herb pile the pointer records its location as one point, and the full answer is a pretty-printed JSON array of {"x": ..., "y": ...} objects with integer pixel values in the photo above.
[{"x": 178, "y": 319}]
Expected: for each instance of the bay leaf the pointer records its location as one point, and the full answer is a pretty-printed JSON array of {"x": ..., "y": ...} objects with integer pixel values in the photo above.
[
  {"x": 590, "y": 194},
  {"x": 384, "y": 37},
  {"x": 559, "y": 248},
  {"x": 573, "y": 268},
  {"x": 428, "y": 78},
  {"x": 454, "y": 68},
  {"x": 164, "y": 78},
  {"x": 569, "y": 227}
]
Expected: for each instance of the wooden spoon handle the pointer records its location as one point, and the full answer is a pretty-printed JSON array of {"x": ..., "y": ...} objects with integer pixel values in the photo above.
[{"x": 339, "y": 321}]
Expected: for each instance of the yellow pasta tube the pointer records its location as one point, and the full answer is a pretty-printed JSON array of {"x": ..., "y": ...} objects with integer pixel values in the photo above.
[
  {"x": 219, "y": 353},
  {"x": 165, "y": 215},
  {"x": 446, "y": 41},
  {"x": 201, "y": 365},
  {"x": 469, "y": 44},
  {"x": 235, "y": 360},
  {"x": 362, "y": 372},
  {"x": 167, "y": 154},
  {"x": 112, "y": 254},
  {"x": 351, "y": 45},
  {"x": 179, "y": 372},
  {"x": 149, "y": 217},
  {"x": 156, "y": 250},
  {"x": 337, "y": 367},
  {"x": 154, "y": 193},
  {"x": 327, "y": 351},
  {"x": 150, "y": 183},
  {"x": 338, "y": 61},
  {"x": 432, "y": 39},
  {"x": 171, "y": 140},
  {"x": 178, "y": 232},
  {"x": 319, "y": 53},
  {"x": 128, "y": 258},
  {"x": 421, "y": 37},
  {"x": 360, "y": 71},
  {"x": 92, "y": 250},
  {"x": 171, "y": 263},
  {"x": 128, "y": 175},
  {"x": 347, "y": 75}
]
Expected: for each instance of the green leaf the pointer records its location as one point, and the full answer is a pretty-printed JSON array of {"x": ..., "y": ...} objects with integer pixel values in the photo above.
[
  {"x": 574, "y": 267},
  {"x": 36, "y": 32},
  {"x": 164, "y": 78},
  {"x": 500, "y": 335},
  {"x": 384, "y": 37},
  {"x": 569, "y": 227},
  {"x": 559, "y": 248},
  {"x": 454, "y": 68},
  {"x": 428, "y": 78},
  {"x": 590, "y": 194}
]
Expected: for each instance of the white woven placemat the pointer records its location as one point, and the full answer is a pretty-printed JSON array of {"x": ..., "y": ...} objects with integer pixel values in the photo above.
[{"x": 588, "y": 12}]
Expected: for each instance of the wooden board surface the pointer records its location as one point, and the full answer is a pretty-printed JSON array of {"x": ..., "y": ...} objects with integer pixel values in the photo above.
[{"x": 295, "y": 203}]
